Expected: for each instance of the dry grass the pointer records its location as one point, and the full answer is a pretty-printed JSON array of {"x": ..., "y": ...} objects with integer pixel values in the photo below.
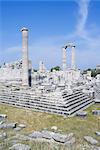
[{"x": 38, "y": 121}]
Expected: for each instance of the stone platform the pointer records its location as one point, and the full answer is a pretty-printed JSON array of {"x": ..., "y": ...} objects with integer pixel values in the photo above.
[{"x": 60, "y": 103}]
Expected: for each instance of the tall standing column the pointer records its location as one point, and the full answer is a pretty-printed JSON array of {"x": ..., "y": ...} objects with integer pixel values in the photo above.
[
  {"x": 25, "y": 62},
  {"x": 73, "y": 58},
  {"x": 40, "y": 66},
  {"x": 64, "y": 65}
]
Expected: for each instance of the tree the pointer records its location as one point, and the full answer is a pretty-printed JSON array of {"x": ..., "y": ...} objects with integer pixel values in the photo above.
[
  {"x": 57, "y": 68},
  {"x": 93, "y": 73},
  {"x": 35, "y": 70}
]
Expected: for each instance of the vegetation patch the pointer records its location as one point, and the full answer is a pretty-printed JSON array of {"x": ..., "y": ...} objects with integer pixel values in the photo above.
[{"x": 37, "y": 121}]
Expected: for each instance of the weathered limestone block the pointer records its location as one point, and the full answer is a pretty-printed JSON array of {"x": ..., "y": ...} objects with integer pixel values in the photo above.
[
  {"x": 8, "y": 126},
  {"x": 20, "y": 147},
  {"x": 36, "y": 134},
  {"x": 81, "y": 114},
  {"x": 70, "y": 142},
  {"x": 97, "y": 133},
  {"x": 47, "y": 134},
  {"x": 62, "y": 138},
  {"x": 96, "y": 112},
  {"x": 54, "y": 128},
  {"x": 3, "y": 116},
  {"x": 22, "y": 125},
  {"x": 17, "y": 129},
  {"x": 1, "y": 122},
  {"x": 68, "y": 138},
  {"x": 91, "y": 140}
]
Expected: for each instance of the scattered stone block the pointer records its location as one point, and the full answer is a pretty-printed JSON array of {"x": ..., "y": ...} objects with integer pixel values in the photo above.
[
  {"x": 47, "y": 134},
  {"x": 17, "y": 129},
  {"x": 22, "y": 125},
  {"x": 3, "y": 116},
  {"x": 91, "y": 140},
  {"x": 97, "y": 133},
  {"x": 54, "y": 128},
  {"x": 36, "y": 134},
  {"x": 11, "y": 125},
  {"x": 82, "y": 114},
  {"x": 52, "y": 135},
  {"x": 62, "y": 138},
  {"x": 8, "y": 126},
  {"x": 1, "y": 122},
  {"x": 96, "y": 112},
  {"x": 70, "y": 142},
  {"x": 20, "y": 147},
  {"x": 69, "y": 136}
]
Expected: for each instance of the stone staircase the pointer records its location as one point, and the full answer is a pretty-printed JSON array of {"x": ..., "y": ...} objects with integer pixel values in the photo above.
[{"x": 63, "y": 105}]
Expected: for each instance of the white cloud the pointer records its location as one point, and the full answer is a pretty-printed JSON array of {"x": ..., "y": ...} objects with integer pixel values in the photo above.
[
  {"x": 82, "y": 16},
  {"x": 88, "y": 52}
]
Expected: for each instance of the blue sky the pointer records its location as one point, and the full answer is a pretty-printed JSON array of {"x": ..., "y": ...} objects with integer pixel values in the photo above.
[{"x": 51, "y": 24}]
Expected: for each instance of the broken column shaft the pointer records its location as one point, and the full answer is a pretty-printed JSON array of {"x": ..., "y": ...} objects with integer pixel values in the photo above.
[
  {"x": 25, "y": 61},
  {"x": 64, "y": 59},
  {"x": 73, "y": 58}
]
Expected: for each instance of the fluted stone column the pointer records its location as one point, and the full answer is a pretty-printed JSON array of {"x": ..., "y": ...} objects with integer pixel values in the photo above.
[
  {"x": 25, "y": 61},
  {"x": 73, "y": 58},
  {"x": 40, "y": 66},
  {"x": 64, "y": 60}
]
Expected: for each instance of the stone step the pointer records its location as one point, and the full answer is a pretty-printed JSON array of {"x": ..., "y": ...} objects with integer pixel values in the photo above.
[
  {"x": 64, "y": 93},
  {"x": 41, "y": 101},
  {"x": 84, "y": 105},
  {"x": 64, "y": 106},
  {"x": 37, "y": 108},
  {"x": 75, "y": 98},
  {"x": 34, "y": 101},
  {"x": 34, "y": 104},
  {"x": 71, "y": 96},
  {"x": 78, "y": 104}
]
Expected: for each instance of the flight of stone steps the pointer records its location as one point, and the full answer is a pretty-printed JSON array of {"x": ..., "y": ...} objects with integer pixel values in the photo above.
[{"x": 63, "y": 105}]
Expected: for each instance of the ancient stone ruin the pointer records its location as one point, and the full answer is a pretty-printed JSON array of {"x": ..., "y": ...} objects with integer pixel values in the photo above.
[{"x": 63, "y": 92}]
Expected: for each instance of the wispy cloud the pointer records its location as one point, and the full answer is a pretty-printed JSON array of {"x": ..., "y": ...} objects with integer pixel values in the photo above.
[
  {"x": 88, "y": 45},
  {"x": 82, "y": 16}
]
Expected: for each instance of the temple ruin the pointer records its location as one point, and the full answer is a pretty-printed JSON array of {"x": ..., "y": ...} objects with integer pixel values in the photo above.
[{"x": 63, "y": 92}]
